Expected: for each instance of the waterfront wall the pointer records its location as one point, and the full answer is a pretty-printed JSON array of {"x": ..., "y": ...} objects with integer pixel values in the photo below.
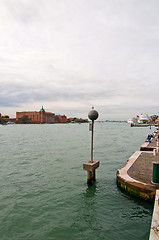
[
  {"x": 133, "y": 186},
  {"x": 154, "y": 232},
  {"x": 135, "y": 176}
]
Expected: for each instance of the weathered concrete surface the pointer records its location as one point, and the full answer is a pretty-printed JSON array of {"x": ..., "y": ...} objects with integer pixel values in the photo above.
[
  {"x": 136, "y": 176},
  {"x": 90, "y": 166},
  {"x": 154, "y": 232},
  {"x": 149, "y": 146},
  {"x": 142, "y": 168}
]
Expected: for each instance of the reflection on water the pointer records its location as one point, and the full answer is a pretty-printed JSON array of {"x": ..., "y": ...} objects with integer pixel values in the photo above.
[{"x": 90, "y": 191}]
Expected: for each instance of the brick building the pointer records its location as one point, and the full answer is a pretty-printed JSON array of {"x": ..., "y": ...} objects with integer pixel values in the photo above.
[
  {"x": 60, "y": 118},
  {"x": 40, "y": 117}
]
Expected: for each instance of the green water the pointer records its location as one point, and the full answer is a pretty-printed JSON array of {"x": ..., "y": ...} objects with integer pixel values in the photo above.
[{"x": 43, "y": 190}]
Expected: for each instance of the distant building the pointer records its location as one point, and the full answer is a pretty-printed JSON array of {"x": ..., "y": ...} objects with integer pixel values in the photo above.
[
  {"x": 39, "y": 117},
  {"x": 13, "y": 120},
  {"x": 60, "y": 119}
]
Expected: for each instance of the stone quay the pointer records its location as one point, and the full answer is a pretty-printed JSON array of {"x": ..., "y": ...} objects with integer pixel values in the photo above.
[{"x": 136, "y": 176}]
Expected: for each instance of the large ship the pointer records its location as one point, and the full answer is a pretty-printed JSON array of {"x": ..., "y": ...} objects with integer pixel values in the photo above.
[{"x": 142, "y": 120}]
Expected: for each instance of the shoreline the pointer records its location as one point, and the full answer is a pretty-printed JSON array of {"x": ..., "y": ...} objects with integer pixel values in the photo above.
[{"x": 144, "y": 125}]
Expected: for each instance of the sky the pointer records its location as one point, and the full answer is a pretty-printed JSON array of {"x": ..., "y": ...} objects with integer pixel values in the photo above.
[{"x": 70, "y": 55}]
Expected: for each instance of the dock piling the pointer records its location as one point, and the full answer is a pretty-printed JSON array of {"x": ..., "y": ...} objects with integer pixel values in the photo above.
[
  {"x": 155, "y": 174},
  {"x": 91, "y": 165}
]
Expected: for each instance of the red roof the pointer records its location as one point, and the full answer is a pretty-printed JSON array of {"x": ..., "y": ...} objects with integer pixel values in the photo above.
[{"x": 50, "y": 113}]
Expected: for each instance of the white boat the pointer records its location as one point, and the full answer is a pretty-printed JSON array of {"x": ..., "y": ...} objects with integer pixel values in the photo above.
[
  {"x": 130, "y": 121},
  {"x": 10, "y": 123}
]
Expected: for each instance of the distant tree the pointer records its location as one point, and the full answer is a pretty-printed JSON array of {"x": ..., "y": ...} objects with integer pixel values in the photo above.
[
  {"x": 3, "y": 121},
  {"x": 5, "y": 116},
  {"x": 24, "y": 118},
  {"x": 154, "y": 117},
  {"x": 76, "y": 120}
]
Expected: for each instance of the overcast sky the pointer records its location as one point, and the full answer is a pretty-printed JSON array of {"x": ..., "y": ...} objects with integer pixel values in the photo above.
[{"x": 68, "y": 55}]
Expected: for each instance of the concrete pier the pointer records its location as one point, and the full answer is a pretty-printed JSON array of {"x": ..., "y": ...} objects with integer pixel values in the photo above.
[
  {"x": 149, "y": 146},
  {"x": 154, "y": 232},
  {"x": 135, "y": 176}
]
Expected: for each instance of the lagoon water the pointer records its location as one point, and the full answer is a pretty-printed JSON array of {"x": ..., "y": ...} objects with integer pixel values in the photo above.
[{"x": 43, "y": 190}]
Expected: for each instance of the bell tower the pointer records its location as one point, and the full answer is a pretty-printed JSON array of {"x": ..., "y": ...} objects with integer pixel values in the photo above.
[{"x": 42, "y": 115}]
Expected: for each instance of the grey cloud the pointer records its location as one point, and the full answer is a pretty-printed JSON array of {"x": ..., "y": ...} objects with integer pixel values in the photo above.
[
  {"x": 15, "y": 94},
  {"x": 100, "y": 52}
]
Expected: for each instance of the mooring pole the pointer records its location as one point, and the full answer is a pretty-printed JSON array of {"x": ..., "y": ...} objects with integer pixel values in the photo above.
[
  {"x": 91, "y": 165},
  {"x": 92, "y": 141}
]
